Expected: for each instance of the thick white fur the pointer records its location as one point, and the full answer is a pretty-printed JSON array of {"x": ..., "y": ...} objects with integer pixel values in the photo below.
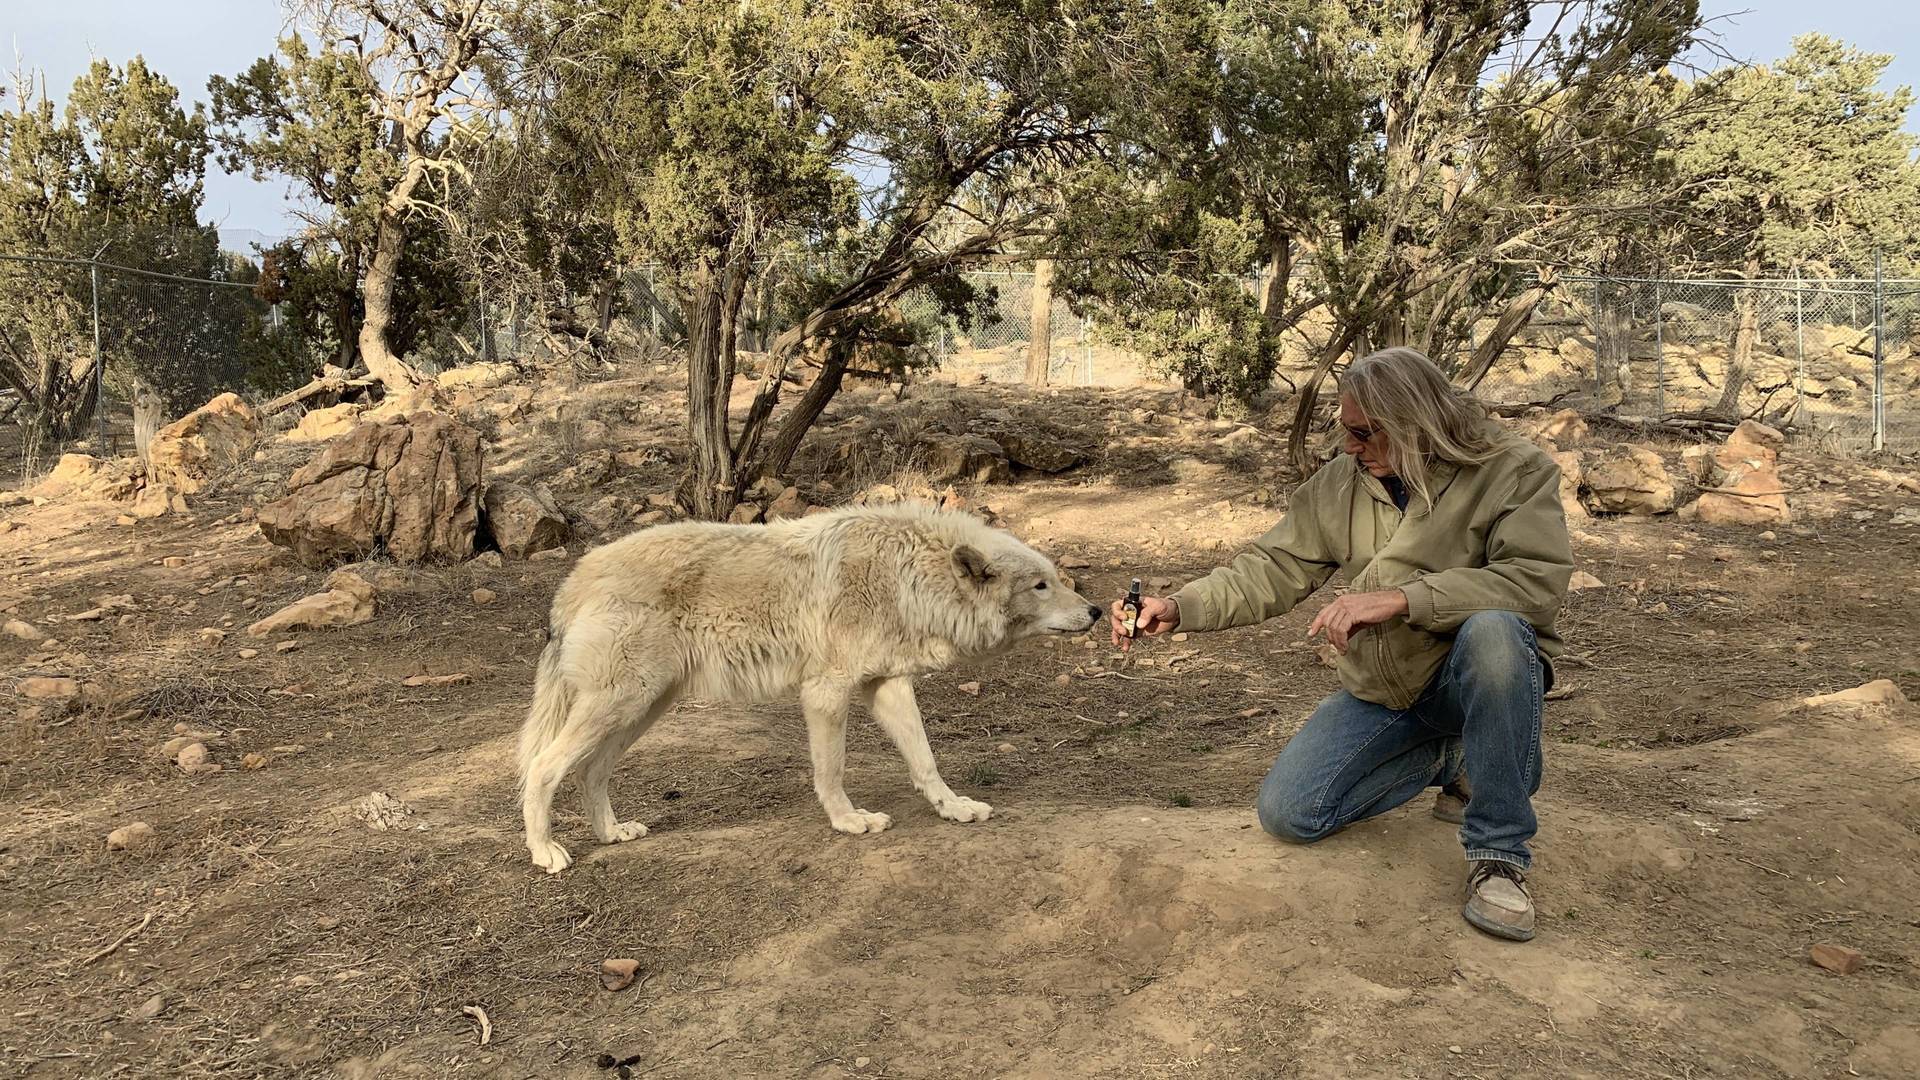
[{"x": 838, "y": 606}]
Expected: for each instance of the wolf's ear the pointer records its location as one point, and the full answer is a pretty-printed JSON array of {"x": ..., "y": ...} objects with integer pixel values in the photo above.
[{"x": 971, "y": 564}]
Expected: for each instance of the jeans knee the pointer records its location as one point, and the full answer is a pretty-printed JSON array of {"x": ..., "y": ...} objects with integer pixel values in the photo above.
[
  {"x": 1495, "y": 644},
  {"x": 1287, "y": 820}
]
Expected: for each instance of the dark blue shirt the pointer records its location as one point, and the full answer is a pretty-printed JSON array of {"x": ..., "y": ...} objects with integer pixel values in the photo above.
[{"x": 1396, "y": 491}]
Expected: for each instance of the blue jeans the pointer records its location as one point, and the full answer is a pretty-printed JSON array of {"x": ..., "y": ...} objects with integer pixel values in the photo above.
[{"x": 1355, "y": 759}]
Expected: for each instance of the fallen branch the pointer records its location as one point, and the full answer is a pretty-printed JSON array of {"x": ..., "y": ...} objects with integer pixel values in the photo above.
[
  {"x": 322, "y": 385},
  {"x": 480, "y": 1017},
  {"x": 119, "y": 941}
]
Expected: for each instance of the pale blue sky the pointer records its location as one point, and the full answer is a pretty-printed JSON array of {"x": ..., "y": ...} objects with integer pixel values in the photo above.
[{"x": 188, "y": 40}]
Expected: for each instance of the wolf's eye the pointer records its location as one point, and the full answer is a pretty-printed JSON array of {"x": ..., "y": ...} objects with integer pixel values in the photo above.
[{"x": 1041, "y": 587}]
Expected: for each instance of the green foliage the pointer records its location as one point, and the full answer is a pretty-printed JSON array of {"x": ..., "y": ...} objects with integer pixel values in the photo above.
[
  {"x": 1803, "y": 165},
  {"x": 117, "y": 173}
]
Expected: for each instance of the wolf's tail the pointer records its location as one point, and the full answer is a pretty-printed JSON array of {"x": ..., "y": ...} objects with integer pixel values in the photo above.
[{"x": 552, "y": 699}]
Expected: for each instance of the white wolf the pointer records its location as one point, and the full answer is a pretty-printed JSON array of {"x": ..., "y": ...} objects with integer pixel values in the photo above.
[{"x": 851, "y": 603}]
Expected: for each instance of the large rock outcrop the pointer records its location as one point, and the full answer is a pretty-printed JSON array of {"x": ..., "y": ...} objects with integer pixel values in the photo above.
[
  {"x": 1743, "y": 485},
  {"x": 1626, "y": 480},
  {"x": 408, "y": 486},
  {"x": 188, "y": 453},
  {"x": 524, "y": 518}
]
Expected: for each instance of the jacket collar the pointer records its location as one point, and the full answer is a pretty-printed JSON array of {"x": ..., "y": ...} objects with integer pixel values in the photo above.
[{"x": 1440, "y": 475}]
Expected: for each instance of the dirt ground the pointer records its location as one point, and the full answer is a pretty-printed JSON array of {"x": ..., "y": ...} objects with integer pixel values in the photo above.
[{"x": 1120, "y": 916}]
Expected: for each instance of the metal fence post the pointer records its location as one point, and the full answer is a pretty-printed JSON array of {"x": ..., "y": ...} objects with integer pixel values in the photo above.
[
  {"x": 1659, "y": 356},
  {"x": 99, "y": 366},
  {"x": 1879, "y": 357},
  {"x": 1799, "y": 342}
]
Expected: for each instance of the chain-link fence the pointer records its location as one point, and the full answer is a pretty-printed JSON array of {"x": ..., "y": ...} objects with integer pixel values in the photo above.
[
  {"x": 1832, "y": 359},
  {"x": 90, "y": 350}
]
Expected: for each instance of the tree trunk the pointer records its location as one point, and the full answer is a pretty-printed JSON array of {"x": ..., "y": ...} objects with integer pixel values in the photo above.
[
  {"x": 1303, "y": 409},
  {"x": 1746, "y": 328},
  {"x": 1612, "y": 342},
  {"x": 712, "y": 305},
  {"x": 1274, "y": 280},
  {"x": 793, "y": 430},
  {"x": 603, "y": 304},
  {"x": 149, "y": 415},
  {"x": 1040, "y": 336},
  {"x": 1513, "y": 318},
  {"x": 383, "y": 273}
]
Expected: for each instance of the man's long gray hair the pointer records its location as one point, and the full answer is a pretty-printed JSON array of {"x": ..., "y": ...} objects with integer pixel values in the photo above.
[{"x": 1425, "y": 418}]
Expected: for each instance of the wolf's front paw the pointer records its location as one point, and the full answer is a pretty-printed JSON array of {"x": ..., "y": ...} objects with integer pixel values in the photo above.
[
  {"x": 859, "y": 821},
  {"x": 962, "y": 809},
  {"x": 548, "y": 855},
  {"x": 624, "y": 831}
]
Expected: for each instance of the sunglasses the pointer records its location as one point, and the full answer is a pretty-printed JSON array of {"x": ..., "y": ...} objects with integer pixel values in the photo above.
[{"x": 1361, "y": 434}]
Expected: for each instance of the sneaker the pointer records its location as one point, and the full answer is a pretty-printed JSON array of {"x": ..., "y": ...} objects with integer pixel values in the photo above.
[
  {"x": 1497, "y": 900},
  {"x": 1451, "y": 804}
]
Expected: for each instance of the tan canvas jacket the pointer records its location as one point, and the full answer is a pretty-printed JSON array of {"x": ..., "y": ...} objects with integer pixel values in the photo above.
[{"x": 1494, "y": 540}]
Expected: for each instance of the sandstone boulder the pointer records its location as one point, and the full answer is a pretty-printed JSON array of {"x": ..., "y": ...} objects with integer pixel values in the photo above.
[
  {"x": 524, "y": 519},
  {"x": 789, "y": 504},
  {"x": 347, "y": 601},
  {"x": 410, "y": 487},
  {"x": 1031, "y": 449},
  {"x": 87, "y": 477},
  {"x": 965, "y": 458},
  {"x": 1626, "y": 480},
  {"x": 321, "y": 425},
  {"x": 1746, "y": 486},
  {"x": 1572, "y": 474},
  {"x": 188, "y": 453}
]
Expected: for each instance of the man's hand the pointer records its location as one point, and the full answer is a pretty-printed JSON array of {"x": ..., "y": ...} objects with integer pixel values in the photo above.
[
  {"x": 1158, "y": 614},
  {"x": 1355, "y": 612}
]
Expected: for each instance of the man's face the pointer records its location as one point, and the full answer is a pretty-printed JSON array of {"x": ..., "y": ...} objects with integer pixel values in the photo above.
[{"x": 1364, "y": 441}]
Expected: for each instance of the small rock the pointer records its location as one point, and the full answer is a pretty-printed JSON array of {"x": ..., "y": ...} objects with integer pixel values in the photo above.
[
  {"x": 381, "y": 811},
  {"x": 254, "y": 761},
  {"x": 1063, "y": 679},
  {"x": 554, "y": 554},
  {"x": 1182, "y": 637},
  {"x": 483, "y": 597},
  {"x": 744, "y": 514},
  {"x": 212, "y": 636},
  {"x": 862, "y": 1062},
  {"x": 193, "y": 758},
  {"x": 1004, "y": 748},
  {"x": 348, "y": 601},
  {"x": 618, "y": 973},
  {"x": 971, "y": 689},
  {"x": 248, "y": 654},
  {"x": 1836, "y": 958},
  {"x": 460, "y": 679},
  {"x": 1877, "y": 692},
  {"x": 25, "y": 631},
  {"x": 1583, "y": 580},
  {"x": 1769, "y": 536},
  {"x": 488, "y": 560},
  {"x": 790, "y": 504},
  {"x": 285, "y": 646},
  {"x": 151, "y": 1008},
  {"x": 45, "y": 688},
  {"x": 130, "y": 837}
]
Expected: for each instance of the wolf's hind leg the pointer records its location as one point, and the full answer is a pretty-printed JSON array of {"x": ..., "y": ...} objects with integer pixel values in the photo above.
[
  {"x": 646, "y": 703},
  {"x": 825, "y": 703},
  {"x": 897, "y": 712},
  {"x": 594, "y": 717}
]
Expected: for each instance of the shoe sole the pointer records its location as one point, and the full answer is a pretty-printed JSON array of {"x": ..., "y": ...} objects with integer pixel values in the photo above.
[
  {"x": 1499, "y": 930},
  {"x": 1450, "y": 816}
]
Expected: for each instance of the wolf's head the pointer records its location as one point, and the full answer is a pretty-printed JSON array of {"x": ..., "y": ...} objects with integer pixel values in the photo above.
[{"x": 1020, "y": 589}]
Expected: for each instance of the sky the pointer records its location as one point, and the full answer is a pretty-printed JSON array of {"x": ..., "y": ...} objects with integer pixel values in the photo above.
[{"x": 189, "y": 40}]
